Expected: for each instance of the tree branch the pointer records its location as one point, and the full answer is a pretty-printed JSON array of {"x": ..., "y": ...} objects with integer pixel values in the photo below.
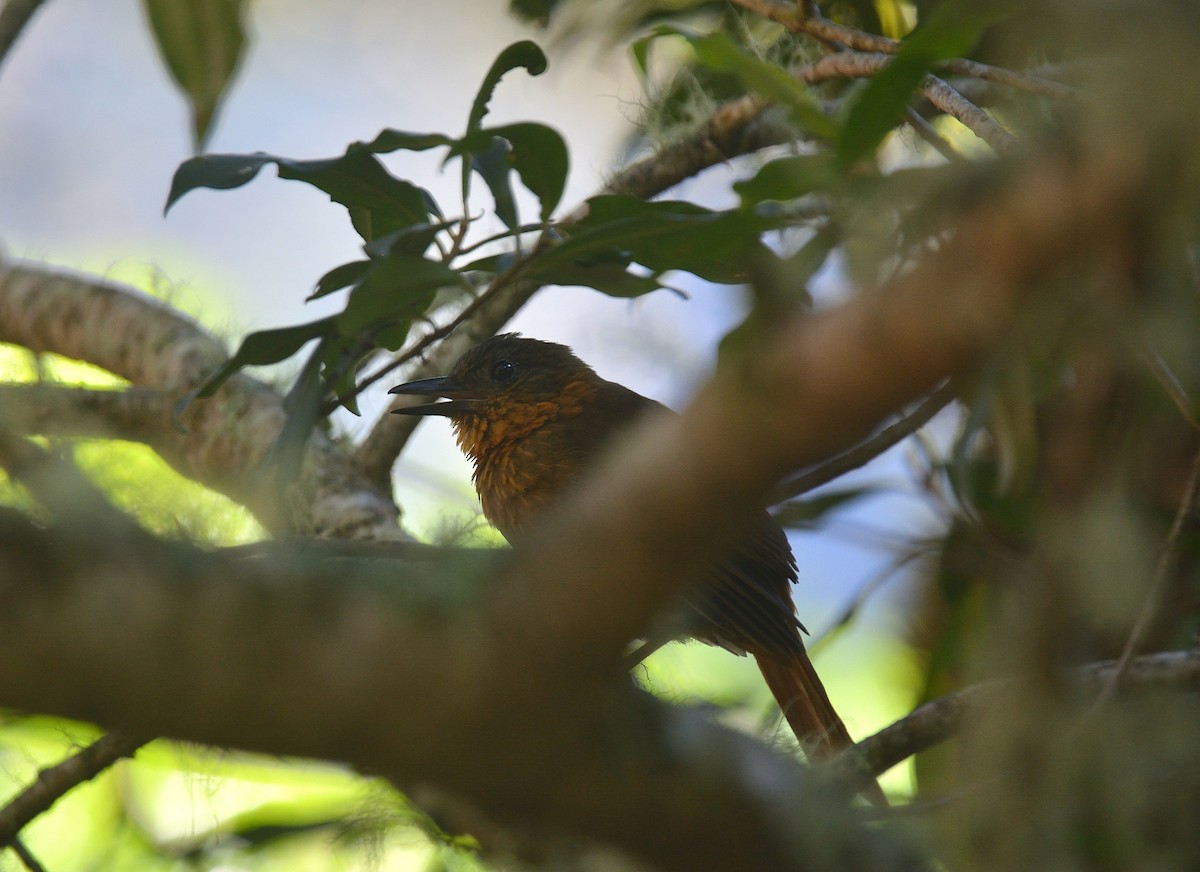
[
  {"x": 54, "y": 782},
  {"x": 164, "y": 355},
  {"x": 938, "y": 720}
]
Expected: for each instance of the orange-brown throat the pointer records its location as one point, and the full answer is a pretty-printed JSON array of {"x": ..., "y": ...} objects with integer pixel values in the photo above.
[{"x": 502, "y": 421}]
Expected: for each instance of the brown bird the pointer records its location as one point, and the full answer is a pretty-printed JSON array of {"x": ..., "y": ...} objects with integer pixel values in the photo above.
[{"x": 532, "y": 416}]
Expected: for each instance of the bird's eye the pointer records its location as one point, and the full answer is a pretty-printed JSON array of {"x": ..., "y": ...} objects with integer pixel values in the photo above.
[{"x": 503, "y": 370}]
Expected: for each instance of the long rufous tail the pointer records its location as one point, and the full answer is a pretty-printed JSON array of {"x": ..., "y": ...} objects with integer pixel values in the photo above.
[{"x": 805, "y": 704}]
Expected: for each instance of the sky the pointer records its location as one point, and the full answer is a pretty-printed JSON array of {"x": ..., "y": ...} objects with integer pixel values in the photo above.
[{"x": 91, "y": 130}]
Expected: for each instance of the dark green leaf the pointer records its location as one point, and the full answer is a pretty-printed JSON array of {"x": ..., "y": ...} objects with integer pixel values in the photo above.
[
  {"x": 608, "y": 278},
  {"x": 788, "y": 178},
  {"x": 492, "y": 164},
  {"x": 398, "y": 287},
  {"x": 339, "y": 277},
  {"x": 201, "y": 43},
  {"x": 414, "y": 239},
  {"x": 539, "y": 155},
  {"x": 390, "y": 140},
  {"x": 379, "y": 202},
  {"x": 303, "y": 408},
  {"x": 520, "y": 54},
  {"x": 258, "y": 349},
  {"x": 805, "y": 512},
  {"x": 799, "y": 268},
  {"x": 218, "y": 171},
  {"x": 950, "y": 31},
  {"x": 668, "y": 235}
]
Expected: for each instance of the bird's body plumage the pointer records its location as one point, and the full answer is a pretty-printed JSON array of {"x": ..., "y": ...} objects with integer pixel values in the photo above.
[{"x": 534, "y": 418}]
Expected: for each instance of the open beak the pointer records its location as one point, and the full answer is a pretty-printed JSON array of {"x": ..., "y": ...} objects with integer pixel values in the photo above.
[{"x": 458, "y": 400}]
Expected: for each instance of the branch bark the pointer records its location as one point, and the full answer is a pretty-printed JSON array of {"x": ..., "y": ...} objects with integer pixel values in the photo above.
[{"x": 164, "y": 355}]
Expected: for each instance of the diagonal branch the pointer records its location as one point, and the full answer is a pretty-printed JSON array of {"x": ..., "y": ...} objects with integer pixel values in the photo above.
[
  {"x": 936, "y": 721},
  {"x": 52, "y": 783}
]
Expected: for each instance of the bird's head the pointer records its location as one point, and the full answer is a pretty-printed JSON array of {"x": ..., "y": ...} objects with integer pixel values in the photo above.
[{"x": 503, "y": 388}]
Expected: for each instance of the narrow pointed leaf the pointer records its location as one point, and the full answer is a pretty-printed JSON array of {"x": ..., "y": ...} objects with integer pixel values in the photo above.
[{"x": 201, "y": 43}]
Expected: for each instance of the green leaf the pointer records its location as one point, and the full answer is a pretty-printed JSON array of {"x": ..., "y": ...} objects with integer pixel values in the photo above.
[
  {"x": 719, "y": 53},
  {"x": 608, "y": 278},
  {"x": 201, "y": 43},
  {"x": 302, "y": 405},
  {"x": 390, "y": 140},
  {"x": 952, "y": 30},
  {"x": 520, "y": 54},
  {"x": 788, "y": 178},
  {"x": 539, "y": 155},
  {"x": 396, "y": 288},
  {"x": 493, "y": 167},
  {"x": 258, "y": 349},
  {"x": 806, "y": 512},
  {"x": 378, "y": 202},
  {"x": 665, "y": 235},
  {"x": 217, "y": 171},
  {"x": 339, "y": 277}
]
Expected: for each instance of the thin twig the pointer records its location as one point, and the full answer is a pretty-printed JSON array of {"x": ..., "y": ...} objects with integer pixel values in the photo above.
[
  {"x": 52, "y": 783},
  {"x": 947, "y": 99},
  {"x": 1158, "y": 588},
  {"x": 14, "y": 16},
  {"x": 936, "y": 721},
  {"x": 868, "y": 449},
  {"x": 927, "y": 133}
]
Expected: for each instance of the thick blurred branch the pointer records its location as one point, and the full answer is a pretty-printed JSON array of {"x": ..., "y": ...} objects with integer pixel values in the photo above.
[{"x": 164, "y": 354}]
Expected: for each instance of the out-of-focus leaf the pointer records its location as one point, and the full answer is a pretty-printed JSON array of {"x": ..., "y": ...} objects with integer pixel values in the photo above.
[
  {"x": 396, "y": 288},
  {"x": 413, "y": 239},
  {"x": 720, "y": 53},
  {"x": 201, "y": 43},
  {"x": 804, "y": 264},
  {"x": 339, "y": 277},
  {"x": 805, "y": 512},
  {"x": 788, "y": 178},
  {"x": 951, "y": 30}
]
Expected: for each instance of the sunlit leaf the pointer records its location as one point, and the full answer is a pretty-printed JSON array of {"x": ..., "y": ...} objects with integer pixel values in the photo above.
[{"x": 201, "y": 43}]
